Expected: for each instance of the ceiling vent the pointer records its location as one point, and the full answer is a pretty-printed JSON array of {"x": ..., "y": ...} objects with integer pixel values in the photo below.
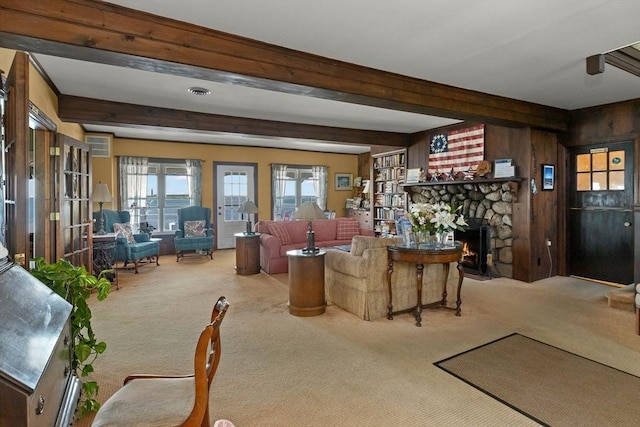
[{"x": 100, "y": 145}]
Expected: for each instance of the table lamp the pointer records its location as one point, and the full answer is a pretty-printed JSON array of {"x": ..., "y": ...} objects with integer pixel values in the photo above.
[
  {"x": 248, "y": 208},
  {"x": 309, "y": 211},
  {"x": 366, "y": 193},
  {"x": 100, "y": 195}
]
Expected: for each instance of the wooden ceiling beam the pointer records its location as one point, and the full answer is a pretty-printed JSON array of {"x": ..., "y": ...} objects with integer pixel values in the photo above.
[
  {"x": 99, "y": 112},
  {"x": 96, "y": 31}
]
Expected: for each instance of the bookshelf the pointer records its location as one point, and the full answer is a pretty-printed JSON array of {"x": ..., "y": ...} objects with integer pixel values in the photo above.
[{"x": 389, "y": 197}]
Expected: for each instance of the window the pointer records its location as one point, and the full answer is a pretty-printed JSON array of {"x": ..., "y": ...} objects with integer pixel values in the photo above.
[
  {"x": 156, "y": 189},
  {"x": 294, "y": 185},
  {"x": 235, "y": 194},
  {"x": 600, "y": 170}
]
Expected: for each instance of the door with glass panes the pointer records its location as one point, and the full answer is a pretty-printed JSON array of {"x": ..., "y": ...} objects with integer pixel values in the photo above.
[
  {"x": 600, "y": 226},
  {"x": 235, "y": 184}
]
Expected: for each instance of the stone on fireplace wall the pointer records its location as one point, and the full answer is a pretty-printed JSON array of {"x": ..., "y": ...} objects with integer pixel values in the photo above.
[{"x": 489, "y": 202}]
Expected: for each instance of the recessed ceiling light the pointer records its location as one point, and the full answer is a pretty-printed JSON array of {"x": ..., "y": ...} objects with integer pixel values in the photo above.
[{"x": 199, "y": 91}]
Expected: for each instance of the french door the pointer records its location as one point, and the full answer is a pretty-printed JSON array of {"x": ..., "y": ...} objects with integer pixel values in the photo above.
[
  {"x": 235, "y": 184},
  {"x": 600, "y": 240},
  {"x": 73, "y": 204}
]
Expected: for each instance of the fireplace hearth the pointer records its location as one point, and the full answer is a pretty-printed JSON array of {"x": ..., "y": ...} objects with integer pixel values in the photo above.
[{"x": 475, "y": 248}]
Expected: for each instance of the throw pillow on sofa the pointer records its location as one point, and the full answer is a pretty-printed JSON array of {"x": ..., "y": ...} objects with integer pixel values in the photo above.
[
  {"x": 124, "y": 230},
  {"x": 347, "y": 229},
  {"x": 194, "y": 228},
  {"x": 280, "y": 232}
]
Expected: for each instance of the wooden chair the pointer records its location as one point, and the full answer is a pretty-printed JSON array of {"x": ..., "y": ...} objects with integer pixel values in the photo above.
[
  {"x": 217, "y": 314},
  {"x": 169, "y": 400}
]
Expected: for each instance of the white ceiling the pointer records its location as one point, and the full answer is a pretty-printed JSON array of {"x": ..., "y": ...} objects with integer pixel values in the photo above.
[{"x": 530, "y": 50}]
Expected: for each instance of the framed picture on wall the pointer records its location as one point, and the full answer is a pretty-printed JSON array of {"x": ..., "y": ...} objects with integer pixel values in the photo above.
[
  {"x": 343, "y": 181},
  {"x": 548, "y": 177}
]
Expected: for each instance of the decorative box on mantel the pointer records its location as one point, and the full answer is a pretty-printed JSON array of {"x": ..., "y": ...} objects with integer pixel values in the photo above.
[{"x": 486, "y": 201}]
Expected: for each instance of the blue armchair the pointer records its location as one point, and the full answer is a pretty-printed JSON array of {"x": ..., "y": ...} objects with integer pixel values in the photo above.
[
  {"x": 140, "y": 248},
  {"x": 194, "y": 231}
]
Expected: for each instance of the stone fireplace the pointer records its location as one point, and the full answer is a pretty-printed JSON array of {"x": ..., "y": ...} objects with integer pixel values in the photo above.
[{"x": 484, "y": 204}]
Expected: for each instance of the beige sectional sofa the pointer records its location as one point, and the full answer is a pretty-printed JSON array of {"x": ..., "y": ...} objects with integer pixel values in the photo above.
[{"x": 356, "y": 281}]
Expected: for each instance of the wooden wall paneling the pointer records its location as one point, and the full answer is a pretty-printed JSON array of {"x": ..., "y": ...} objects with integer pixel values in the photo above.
[
  {"x": 607, "y": 123},
  {"x": 544, "y": 208},
  {"x": 364, "y": 165},
  {"x": 418, "y": 152},
  {"x": 562, "y": 212}
]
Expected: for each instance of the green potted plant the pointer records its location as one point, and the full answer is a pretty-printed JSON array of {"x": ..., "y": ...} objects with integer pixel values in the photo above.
[{"x": 75, "y": 285}]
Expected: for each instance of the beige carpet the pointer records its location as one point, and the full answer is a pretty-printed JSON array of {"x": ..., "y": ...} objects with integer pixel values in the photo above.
[
  {"x": 548, "y": 384},
  {"x": 335, "y": 369}
]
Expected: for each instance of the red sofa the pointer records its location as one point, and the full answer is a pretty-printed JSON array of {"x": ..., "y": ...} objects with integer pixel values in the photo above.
[{"x": 278, "y": 237}]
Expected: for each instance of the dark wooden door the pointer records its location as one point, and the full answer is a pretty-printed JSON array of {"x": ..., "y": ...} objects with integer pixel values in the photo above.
[
  {"x": 601, "y": 212},
  {"x": 15, "y": 150}
]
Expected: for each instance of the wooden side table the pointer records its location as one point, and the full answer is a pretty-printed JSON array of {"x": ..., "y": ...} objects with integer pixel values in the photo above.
[
  {"x": 306, "y": 283},
  {"x": 247, "y": 253},
  {"x": 420, "y": 255}
]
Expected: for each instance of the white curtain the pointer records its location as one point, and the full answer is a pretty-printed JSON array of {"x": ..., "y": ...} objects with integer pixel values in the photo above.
[
  {"x": 278, "y": 182},
  {"x": 320, "y": 185},
  {"x": 194, "y": 180},
  {"x": 133, "y": 186}
]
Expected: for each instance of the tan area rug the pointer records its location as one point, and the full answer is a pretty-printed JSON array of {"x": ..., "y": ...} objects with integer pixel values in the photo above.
[{"x": 547, "y": 384}]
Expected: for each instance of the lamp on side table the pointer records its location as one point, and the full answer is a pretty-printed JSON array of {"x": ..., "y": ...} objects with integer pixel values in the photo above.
[
  {"x": 248, "y": 208},
  {"x": 100, "y": 195},
  {"x": 309, "y": 211}
]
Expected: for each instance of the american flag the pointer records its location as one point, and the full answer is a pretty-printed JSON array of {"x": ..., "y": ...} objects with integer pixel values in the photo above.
[{"x": 461, "y": 150}]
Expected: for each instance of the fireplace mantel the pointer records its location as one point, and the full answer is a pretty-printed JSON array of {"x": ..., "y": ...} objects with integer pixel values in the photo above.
[{"x": 513, "y": 182}]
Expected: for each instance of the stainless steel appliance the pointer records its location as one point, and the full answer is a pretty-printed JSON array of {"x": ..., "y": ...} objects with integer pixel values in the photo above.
[{"x": 37, "y": 387}]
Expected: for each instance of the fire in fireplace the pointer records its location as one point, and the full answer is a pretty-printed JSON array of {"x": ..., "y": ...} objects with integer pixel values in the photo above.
[{"x": 475, "y": 248}]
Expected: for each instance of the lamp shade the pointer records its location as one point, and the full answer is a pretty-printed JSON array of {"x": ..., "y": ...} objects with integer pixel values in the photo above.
[
  {"x": 365, "y": 190},
  {"x": 101, "y": 193},
  {"x": 248, "y": 207},
  {"x": 309, "y": 210}
]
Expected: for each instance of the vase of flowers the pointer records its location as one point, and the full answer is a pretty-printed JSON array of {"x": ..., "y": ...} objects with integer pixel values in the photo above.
[
  {"x": 420, "y": 216},
  {"x": 437, "y": 218}
]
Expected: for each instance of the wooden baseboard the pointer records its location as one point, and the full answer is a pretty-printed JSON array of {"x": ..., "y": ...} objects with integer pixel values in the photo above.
[{"x": 602, "y": 282}]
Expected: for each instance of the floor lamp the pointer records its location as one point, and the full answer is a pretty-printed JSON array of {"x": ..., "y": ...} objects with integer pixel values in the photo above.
[
  {"x": 309, "y": 211},
  {"x": 100, "y": 195},
  {"x": 248, "y": 208}
]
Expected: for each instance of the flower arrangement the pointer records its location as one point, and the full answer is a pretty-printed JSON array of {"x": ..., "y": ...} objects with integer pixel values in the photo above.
[
  {"x": 437, "y": 217},
  {"x": 420, "y": 215}
]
